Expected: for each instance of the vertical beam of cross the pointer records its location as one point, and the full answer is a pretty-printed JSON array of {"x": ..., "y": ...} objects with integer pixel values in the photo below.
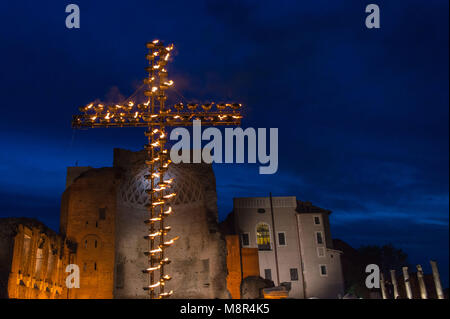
[
  {"x": 155, "y": 116},
  {"x": 157, "y": 165}
]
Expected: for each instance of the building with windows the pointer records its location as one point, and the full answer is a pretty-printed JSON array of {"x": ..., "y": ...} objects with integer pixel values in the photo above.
[
  {"x": 294, "y": 244},
  {"x": 33, "y": 259}
]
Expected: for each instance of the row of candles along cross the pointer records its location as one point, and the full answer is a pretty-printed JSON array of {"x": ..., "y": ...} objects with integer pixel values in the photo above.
[
  {"x": 99, "y": 108},
  {"x": 161, "y": 201},
  {"x": 156, "y": 141},
  {"x": 130, "y": 111}
]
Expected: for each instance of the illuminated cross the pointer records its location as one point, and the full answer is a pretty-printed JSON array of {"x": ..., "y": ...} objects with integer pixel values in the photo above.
[{"x": 156, "y": 116}]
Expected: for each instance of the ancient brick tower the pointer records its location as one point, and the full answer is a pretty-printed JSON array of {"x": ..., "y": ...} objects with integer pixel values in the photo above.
[
  {"x": 88, "y": 218},
  {"x": 102, "y": 210}
]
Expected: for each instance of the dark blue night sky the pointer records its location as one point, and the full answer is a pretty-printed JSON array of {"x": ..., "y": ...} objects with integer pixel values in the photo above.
[{"x": 363, "y": 115}]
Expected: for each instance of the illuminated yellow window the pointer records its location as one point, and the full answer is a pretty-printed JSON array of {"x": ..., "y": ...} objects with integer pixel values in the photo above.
[{"x": 263, "y": 236}]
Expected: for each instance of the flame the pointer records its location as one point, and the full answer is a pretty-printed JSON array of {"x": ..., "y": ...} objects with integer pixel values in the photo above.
[
  {"x": 153, "y": 268},
  {"x": 167, "y": 164},
  {"x": 155, "y": 285},
  {"x": 170, "y": 242},
  {"x": 157, "y": 250},
  {"x": 170, "y": 196},
  {"x": 168, "y": 181},
  {"x": 166, "y": 294},
  {"x": 158, "y": 203},
  {"x": 155, "y": 234}
]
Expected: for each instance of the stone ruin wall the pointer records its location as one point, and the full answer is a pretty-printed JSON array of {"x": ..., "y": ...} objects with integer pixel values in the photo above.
[
  {"x": 198, "y": 258},
  {"x": 111, "y": 247}
]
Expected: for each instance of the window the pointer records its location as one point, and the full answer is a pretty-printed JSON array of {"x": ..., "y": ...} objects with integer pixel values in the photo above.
[
  {"x": 294, "y": 274},
  {"x": 320, "y": 252},
  {"x": 261, "y": 210},
  {"x": 95, "y": 243},
  {"x": 316, "y": 220},
  {"x": 263, "y": 236},
  {"x": 95, "y": 266},
  {"x": 323, "y": 270},
  {"x": 245, "y": 239},
  {"x": 85, "y": 243},
  {"x": 281, "y": 239},
  {"x": 268, "y": 274},
  {"x": 319, "y": 238},
  {"x": 102, "y": 213}
]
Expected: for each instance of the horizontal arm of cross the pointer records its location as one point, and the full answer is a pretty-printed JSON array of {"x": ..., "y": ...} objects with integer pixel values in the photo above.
[{"x": 146, "y": 119}]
